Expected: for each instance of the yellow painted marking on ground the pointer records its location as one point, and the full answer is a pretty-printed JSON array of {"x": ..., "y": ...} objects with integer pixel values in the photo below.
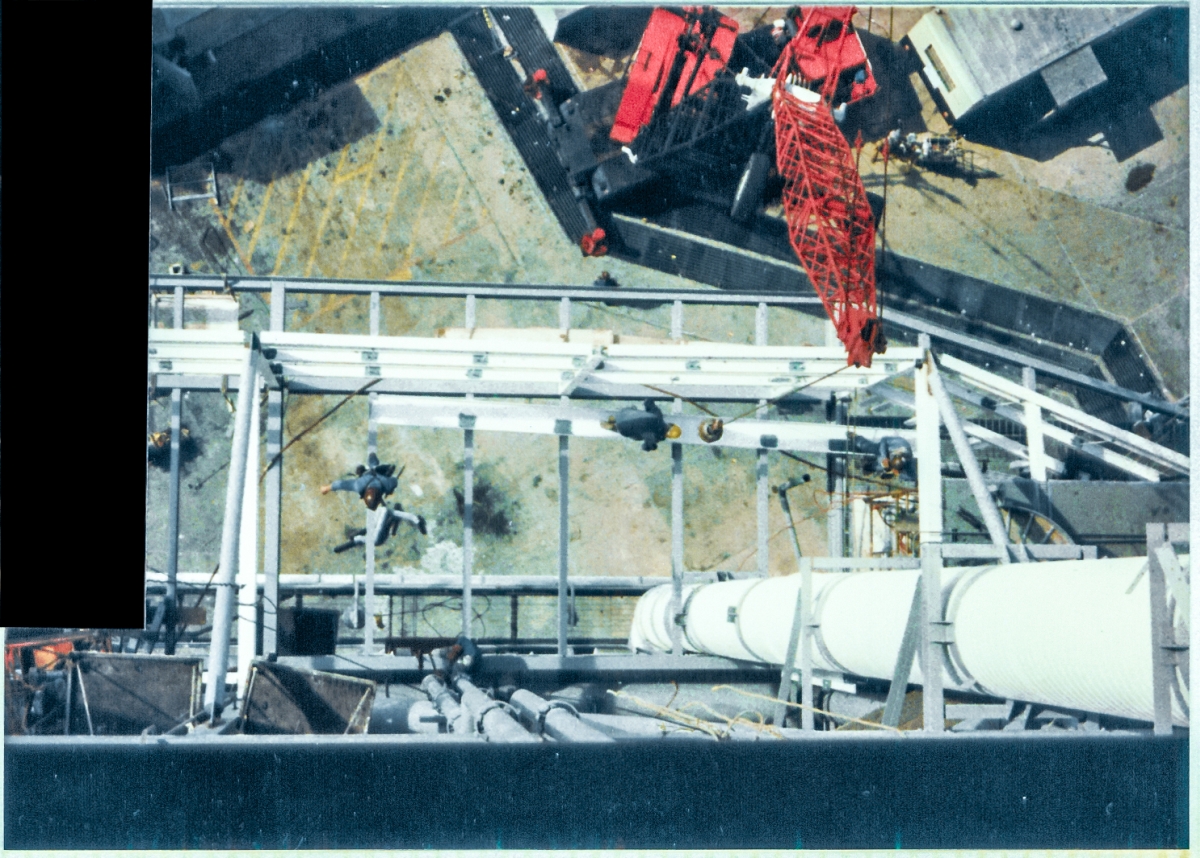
[
  {"x": 446, "y": 139},
  {"x": 237, "y": 191},
  {"x": 333, "y": 303},
  {"x": 450, "y": 222},
  {"x": 237, "y": 248},
  {"x": 430, "y": 181},
  {"x": 291, "y": 224},
  {"x": 262, "y": 211},
  {"x": 370, "y": 171},
  {"x": 329, "y": 202},
  {"x": 387, "y": 220}
]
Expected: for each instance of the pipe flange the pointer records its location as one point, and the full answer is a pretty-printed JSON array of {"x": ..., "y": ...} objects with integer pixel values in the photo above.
[
  {"x": 952, "y": 657},
  {"x": 818, "y": 606},
  {"x": 737, "y": 626},
  {"x": 554, "y": 704},
  {"x": 681, "y": 617}
]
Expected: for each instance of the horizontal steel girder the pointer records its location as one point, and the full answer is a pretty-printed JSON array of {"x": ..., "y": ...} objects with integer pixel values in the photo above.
[{"x": 585, "y": 422}]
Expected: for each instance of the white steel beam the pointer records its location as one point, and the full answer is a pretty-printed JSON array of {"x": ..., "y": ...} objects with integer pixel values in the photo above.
[
  {"x": 1008, "y": 445},
  {"x": 1038, "y": 460},
  {"x": 507, "y": 416},
  {"x": 1162, "y": 456}
]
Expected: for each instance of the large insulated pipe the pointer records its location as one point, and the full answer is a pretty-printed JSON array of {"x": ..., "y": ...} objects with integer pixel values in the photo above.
[
  {"x": 1073, "y": 634},
  {"x": 558, "y": 721},
  {"x": 489, "y": 716}
]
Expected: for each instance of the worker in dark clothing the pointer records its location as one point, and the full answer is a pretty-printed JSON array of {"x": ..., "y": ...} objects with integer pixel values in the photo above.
[
  {"x": 386, "y": 525},
  {"x": 647, "y": 426},
  {"x": 373, "y": 483},
  {"x": 605, "y": 281},
  {"x": 892, "y": 457}
]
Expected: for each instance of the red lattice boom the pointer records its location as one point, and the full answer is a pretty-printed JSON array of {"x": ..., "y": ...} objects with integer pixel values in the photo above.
[
  {"x": 830, "y": 224},
  {"x": 829, "y": 219}
]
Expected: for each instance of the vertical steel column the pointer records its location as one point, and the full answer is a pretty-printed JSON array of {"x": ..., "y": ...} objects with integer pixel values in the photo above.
[
  {"x": 170, "y": 600},
  {"x": 1033, "y": 430},
  {"x": 806, "y": 629},
  {"x": 564, "y": 540},
  {"x": 564, "y": 318},
  {"x": 930, "y": 525},
  {"x": 836, "y": 520},
  {"x": 676, "y": 505},
  {"x": 468, "y": 423},
  {"x": 247, "y": 572},
  {"x": 929, "y": 452},
  {"x": 218, "y": 654},
  {"x": 677, "y": 537},
  {"x": 932, "y": 638},
  {"x": 273, "y": 491},
  {"x": 762, "y": 466},
  {"x": 375, "y": 311},
  {"x": 368, "y": 647},
  {"x": 469, "y": 316},
  {"x": 1162, "y": 635}
]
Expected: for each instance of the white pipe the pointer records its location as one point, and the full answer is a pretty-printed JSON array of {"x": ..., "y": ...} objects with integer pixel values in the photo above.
[
  {"x": 247, "y": 570},
  {"x": 218, "y": 653},
  {"x": 1073, "y": 634}
]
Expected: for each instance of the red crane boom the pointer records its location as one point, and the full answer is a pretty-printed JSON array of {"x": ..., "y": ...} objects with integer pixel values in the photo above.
[{"x": 830, "y": 224}]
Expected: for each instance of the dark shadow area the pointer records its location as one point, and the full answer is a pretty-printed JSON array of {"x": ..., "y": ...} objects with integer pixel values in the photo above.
[
  {"x": 607, "y": 31},
  {"x": 1016, "y": 791},
  {"x": 189, "y": 450},
  {"x": 227, "y": 69},
  {"x": 895, "y": 104},
  {"x": 1143, "y": 63}
]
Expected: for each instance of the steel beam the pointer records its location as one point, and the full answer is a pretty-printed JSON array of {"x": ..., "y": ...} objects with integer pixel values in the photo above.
[
  {"x": 218, "y": 657},
  {"x": 1039, "y": 462},
  {"x": 932, "y": 638},
  {"x": 904, "y": 660},
  {"x": 467, "y": 423},
  {"x": 247, "y": 570},
  {"x": 928, "y": 450},
  {"x": 966, "y": 456},
  {"x": 442, "y": 289},
  {"x": 492, "y": 416},
  {"x": 1163, "y": 457},
  {"x": 170, "y": 599},
  {"x": 272, "y": 514},
  {"x": 564, "y": 540}
]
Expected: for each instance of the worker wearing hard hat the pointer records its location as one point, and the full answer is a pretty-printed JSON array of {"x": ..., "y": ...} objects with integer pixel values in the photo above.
[
  {"x": 647, "y": 426},
  {"x": 373, "y": 483}
]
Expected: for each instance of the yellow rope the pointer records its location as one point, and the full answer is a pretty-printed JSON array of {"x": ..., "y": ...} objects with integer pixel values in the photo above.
[{"x": 813, "y": 708}]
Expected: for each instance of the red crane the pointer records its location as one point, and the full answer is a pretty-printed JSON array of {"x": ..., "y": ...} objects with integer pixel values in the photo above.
[{"x": 830, "y": 224}]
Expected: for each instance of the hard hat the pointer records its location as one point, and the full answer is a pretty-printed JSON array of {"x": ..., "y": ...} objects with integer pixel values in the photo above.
[{"x": 673, "y": 431}]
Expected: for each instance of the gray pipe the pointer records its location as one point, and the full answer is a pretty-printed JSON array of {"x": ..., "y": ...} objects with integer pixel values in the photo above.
[
  {"x": 495, "y": 723},
  {"x": 556, "y": 721},
  {"x": 457, "y": 717},
  {"x": 218, "y": 654},
  {"x": 987, "y": 506}
]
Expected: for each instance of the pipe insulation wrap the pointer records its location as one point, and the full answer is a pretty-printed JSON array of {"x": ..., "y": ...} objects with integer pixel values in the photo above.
[{"x": 1074, "y": 634}]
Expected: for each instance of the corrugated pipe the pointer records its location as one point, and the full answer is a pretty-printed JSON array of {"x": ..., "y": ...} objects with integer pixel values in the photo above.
[{"x": 1073, "y": 634}]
